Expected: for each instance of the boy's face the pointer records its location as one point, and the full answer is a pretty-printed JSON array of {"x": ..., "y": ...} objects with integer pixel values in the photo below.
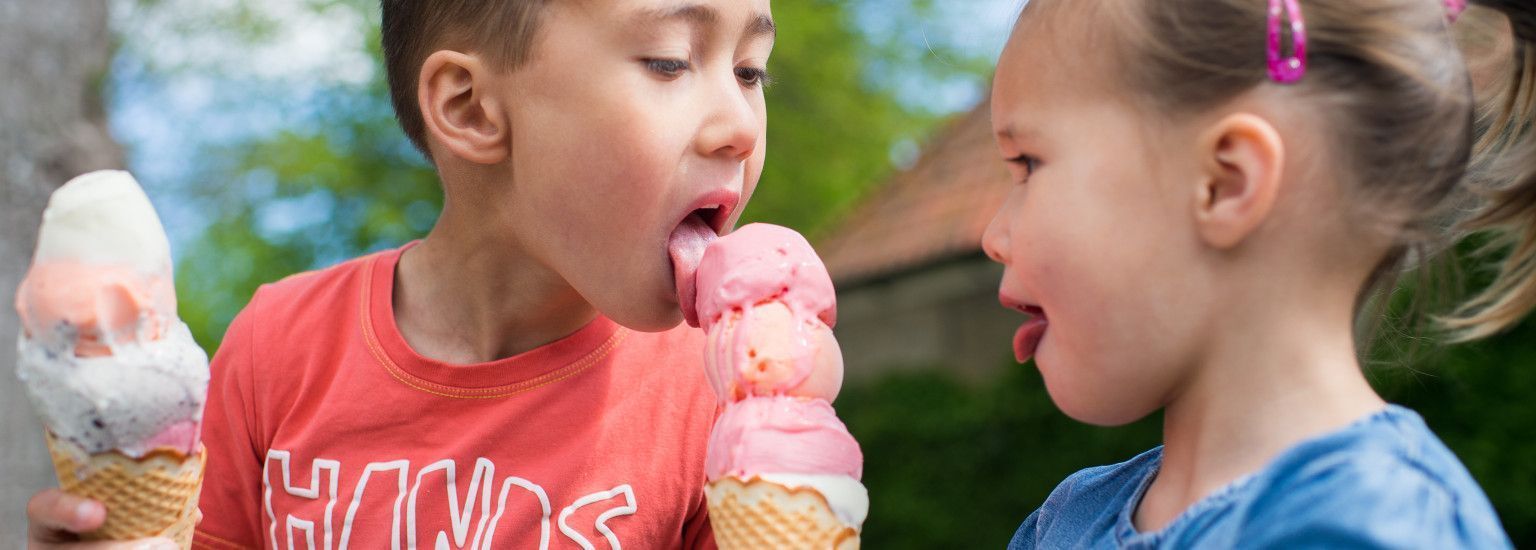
[{"x": 631, "y": 117}]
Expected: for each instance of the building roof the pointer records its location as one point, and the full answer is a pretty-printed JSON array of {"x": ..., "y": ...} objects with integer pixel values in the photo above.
[{"x": 936, "y": 210}]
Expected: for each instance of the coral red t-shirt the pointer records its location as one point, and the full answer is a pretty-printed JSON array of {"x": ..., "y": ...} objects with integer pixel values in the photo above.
[{"x": 325, "y": 430}]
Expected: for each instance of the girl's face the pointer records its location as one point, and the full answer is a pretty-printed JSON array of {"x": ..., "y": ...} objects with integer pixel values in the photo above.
[{"x": 1097, "y": 235}]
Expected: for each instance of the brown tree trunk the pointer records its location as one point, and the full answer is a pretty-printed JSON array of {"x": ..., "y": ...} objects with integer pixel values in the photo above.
[{"x": 53, "y": 63}]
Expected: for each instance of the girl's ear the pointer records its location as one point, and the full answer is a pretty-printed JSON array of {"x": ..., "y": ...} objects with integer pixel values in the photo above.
[
  {"x": 458, "y": 113},
  {"x": 1241, "y": 166}
]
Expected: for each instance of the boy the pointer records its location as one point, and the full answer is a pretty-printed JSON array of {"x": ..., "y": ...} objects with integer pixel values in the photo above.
[{"x": 515, "y": 379}]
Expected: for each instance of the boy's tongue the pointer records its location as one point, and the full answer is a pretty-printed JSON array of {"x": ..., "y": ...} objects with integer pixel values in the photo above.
[{"x": 686, "y": 246}]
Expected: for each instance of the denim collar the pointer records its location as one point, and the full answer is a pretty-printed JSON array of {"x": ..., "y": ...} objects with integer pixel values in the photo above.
[{"x": 1126, "y": 535}]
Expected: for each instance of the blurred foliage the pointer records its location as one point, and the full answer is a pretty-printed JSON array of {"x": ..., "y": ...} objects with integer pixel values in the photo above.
[
  {"x": 956, "y": 465},
  {"x": 346, "y": 181}
]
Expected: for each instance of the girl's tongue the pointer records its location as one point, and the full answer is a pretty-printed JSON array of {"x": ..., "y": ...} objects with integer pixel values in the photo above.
[
  {"x": 686, "y": 246},
  {"x": 1027, "y": 339}
]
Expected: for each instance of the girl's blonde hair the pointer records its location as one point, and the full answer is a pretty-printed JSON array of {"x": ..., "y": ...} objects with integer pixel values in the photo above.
[
  {"x": 1504, "y": 178},
  {"x": 1388, "y": 77}
]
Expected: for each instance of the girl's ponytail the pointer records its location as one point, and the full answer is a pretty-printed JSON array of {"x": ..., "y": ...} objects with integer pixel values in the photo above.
[{"x": 1504, "y": 177}]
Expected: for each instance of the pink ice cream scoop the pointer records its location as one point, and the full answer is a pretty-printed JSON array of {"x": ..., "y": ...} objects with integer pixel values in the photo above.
[
  {"x": 766, "y": 435},
  {"x": 760, "y": 263},
  {"x": 768, "y": 305}
]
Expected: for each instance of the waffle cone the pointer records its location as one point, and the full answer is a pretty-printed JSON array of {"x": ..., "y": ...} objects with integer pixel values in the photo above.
[
  {"x": 152, "y": 496},
  {"x": 753, "y": 513}
]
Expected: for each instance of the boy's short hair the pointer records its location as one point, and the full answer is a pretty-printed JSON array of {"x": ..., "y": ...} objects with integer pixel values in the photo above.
[{"x": 502, "y": 31}]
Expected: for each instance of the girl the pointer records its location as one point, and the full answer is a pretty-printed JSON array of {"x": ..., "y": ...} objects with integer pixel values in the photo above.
[{"x": 1197, "y": 232}]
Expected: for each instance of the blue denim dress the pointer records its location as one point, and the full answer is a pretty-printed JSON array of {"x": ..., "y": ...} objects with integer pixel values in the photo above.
[{"x": 1384, "y": 481}]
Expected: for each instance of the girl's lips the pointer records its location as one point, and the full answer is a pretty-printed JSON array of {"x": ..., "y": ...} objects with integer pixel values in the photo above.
[{"x": 1028, "y": 337}]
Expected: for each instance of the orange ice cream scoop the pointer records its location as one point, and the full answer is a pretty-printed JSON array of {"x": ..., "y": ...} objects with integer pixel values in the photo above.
[
  {"x": 64, "y": 302},
  {"x": 766, "y": 350}
]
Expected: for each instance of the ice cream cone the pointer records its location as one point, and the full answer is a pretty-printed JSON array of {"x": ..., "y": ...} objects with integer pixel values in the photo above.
[
  {"x": 152, "y": 496},
  {"x": 754, "y": 513}
]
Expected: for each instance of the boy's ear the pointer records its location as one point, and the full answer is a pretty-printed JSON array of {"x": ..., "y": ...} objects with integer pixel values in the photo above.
[
  {"x": 1242, "y": 158},
  {"x": 456, "y": 109}
]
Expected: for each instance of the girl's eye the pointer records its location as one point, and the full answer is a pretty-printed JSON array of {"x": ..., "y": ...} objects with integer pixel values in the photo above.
[
  {"x": 1026, "y": 162},
  {"x": 753, "y": 77},
  {"x": 670, "y": 68}
]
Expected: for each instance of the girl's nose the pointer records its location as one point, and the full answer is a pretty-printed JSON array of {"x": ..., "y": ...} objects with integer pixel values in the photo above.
[{"x": 995, "y": 240}]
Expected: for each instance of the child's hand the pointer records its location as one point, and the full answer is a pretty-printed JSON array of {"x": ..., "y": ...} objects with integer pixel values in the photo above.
[{"x": 55, "y": 520}]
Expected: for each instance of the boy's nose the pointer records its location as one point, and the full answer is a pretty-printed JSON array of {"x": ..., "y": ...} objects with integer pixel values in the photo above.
[{"x": 733, "y": 127}]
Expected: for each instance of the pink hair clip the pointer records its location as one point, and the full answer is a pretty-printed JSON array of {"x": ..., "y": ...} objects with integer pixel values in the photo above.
[
  {"x": 1286, "y": 70},
  {"x": 1453, "y": 9}
]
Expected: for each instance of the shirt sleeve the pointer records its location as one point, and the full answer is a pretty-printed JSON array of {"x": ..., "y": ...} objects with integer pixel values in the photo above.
[
  {"x": 697, "y": 532},
  {"x": 230, "y": 499},
  {"x": 1024, "y": 538},
  {"x": 1374, "y": 501}
]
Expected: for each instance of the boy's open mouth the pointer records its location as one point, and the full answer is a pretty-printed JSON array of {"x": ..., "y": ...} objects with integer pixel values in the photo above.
[
  {"x": 713, "y": 217},
  {"x": 686, "y": 247}
]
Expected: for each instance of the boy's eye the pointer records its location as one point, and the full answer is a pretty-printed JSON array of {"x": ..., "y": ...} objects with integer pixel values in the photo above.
[
  {"x": 1028, "y": 163},
  {"x": 670, "y": 68},
  {"x": 753, "y": 76}
]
